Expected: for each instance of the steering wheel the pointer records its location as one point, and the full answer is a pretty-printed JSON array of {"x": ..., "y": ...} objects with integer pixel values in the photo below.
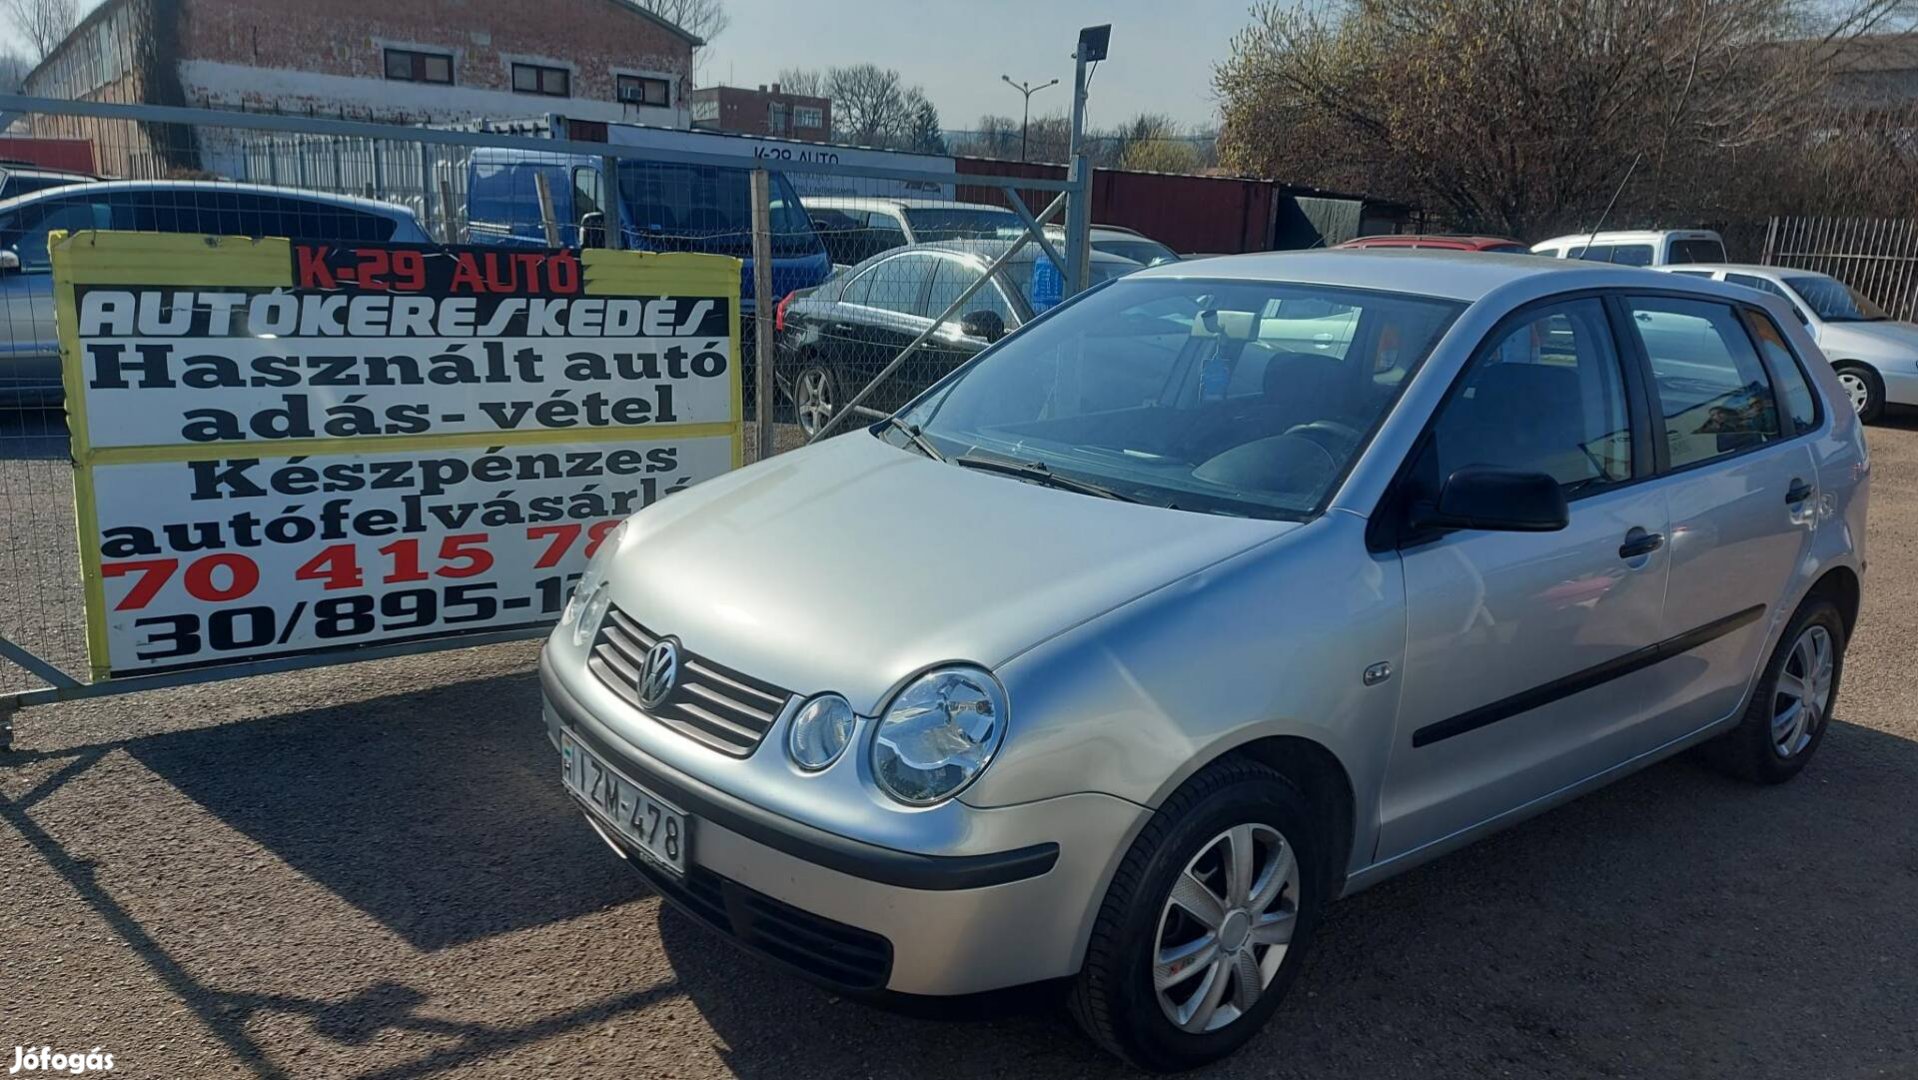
[{"x": 1334, "y": 438}]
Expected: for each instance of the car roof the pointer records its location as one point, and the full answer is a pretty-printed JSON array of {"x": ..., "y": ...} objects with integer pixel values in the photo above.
[
  {"x": 992, "y": 249},
  {"x": 843, "y": 202},
  {"x": 1454, "y": 275},
  {"x": 111, "y": 186},
  {"x": 1744, "y": 268},
  {"x": 1453, "y": 240},
  {"x": 1631, "y": 236}
]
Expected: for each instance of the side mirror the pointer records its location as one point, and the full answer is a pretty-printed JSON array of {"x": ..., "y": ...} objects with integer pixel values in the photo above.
[
  {"x": 986, "y": 325},
  {"x": 1496, "y": 500},
  {"x": 9, "y": 261},
  {"x": 592, "y": 229}
]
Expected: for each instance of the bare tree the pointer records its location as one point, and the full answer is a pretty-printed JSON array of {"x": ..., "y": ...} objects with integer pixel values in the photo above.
[
  {"x": 1527, "y": 117},
  {"x": 810, "y": 82},
  {"x": 868, "y": 103},
  {"x": 43, "y": 23},
  {"x": 704, "y": 19},
  {"x": 13, "y": 70}
]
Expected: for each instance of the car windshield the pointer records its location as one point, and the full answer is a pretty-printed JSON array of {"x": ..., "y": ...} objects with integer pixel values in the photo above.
[
  {"x": 1698, "y": 251},
  {"x": 707, "y": 209},
  {"x": 1228, "y": 397},
  {"x": 1139, "y": 250},
  {"x": 935, "y": 224},
  {"x": 1835, "y": 301}
]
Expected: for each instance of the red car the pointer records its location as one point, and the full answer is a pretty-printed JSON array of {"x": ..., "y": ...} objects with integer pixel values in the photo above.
[{"x": 1446, "y": 243}]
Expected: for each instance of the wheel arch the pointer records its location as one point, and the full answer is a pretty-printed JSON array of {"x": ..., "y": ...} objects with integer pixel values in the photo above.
[
  {"x": 1840, "y": 584},
  {"x": 1324, "y": 781}
]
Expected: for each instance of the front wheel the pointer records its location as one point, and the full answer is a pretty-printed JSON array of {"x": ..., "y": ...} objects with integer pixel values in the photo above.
[
  {"x": 1864, "y": 389},
  {"x": 1204, "y": 926}
]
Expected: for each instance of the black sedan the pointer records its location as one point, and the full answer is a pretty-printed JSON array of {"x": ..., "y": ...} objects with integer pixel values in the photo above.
[{"x": 835, "y": 338}]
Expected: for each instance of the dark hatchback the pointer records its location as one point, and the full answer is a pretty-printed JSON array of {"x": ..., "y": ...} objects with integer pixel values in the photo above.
[{"x": 834, "y": 339}]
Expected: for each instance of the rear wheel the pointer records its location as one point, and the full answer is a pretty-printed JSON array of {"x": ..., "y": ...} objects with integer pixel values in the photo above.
[
  {"x": 1790, "y": 709},
  {"x": 1864, "y": 388},
  {"x": 815, "y": 396},
  {"x": 1204, "y": 926}
]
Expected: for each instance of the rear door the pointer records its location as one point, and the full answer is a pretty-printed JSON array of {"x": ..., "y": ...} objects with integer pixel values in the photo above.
[
  {"x": 1518, "y": 675},
  {"x": 1741, "y": 487}
]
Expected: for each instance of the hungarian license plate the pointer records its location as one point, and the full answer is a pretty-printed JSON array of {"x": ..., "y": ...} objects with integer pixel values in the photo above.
[{"x": 656, "y": 828}]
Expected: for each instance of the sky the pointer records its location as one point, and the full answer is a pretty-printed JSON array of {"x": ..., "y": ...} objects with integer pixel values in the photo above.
[{"x": 1161, "y": 56}]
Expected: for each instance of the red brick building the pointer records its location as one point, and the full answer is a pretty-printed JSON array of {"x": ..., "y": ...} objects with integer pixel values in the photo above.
[
  {"x": 773, "y": 112},
  {"x": 393, "y": 60}
]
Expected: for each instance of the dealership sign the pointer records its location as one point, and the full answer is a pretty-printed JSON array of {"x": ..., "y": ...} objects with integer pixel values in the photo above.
[{"x": 285, "y": 448}]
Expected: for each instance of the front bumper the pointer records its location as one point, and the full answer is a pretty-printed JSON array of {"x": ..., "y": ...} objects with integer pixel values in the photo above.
[{"x": 861, "y": 916}]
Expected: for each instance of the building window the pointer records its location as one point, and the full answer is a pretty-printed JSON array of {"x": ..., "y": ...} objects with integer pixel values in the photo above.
[
  {"x": 640, "y": 90},
  {"x": 808, "y": 116},
  {"x": 534, "y": 79},
  {"x": 776, "y": 114},
  {"x": 409, "y": 65}
]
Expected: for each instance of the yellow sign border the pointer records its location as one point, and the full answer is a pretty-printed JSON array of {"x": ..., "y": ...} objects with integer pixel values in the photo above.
[{"x": 193, "y": 261}]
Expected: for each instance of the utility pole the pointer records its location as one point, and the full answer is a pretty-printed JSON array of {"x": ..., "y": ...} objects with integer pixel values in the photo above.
[
  {"x": 1093, "y": 42},
  {"x": 1025, "y": 122}
]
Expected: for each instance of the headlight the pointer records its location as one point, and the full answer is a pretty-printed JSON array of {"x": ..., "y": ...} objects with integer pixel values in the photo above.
[
  {"x": 938, "y": 734},
  {"x": 820, "y": 731},
  {"x": 590, "y": 597}
]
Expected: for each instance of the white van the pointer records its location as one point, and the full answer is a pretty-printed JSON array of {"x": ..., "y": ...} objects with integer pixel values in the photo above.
[{"x": 1652, "y": 247}]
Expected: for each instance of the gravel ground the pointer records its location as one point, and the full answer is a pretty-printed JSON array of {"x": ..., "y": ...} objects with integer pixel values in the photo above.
[{"x": 370, "y": 872}]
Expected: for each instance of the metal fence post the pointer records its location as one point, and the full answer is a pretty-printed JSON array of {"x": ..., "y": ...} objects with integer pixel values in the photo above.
[
  {"x": 547, "y": 219},
  {"x": 1078, "y": 268},
  {"x": 762, "y": 188},
  {"x": 611, "y": 203},
  {"x": 426, "y": 187}
]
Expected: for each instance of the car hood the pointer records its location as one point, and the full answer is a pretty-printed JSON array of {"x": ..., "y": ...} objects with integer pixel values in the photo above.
[
  {"x": 1869, "y": 340},
  {"x": 853, "y": 564}
]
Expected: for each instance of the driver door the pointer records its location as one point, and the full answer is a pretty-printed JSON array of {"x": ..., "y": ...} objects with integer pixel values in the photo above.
[{"x": 1518, "y": 676}]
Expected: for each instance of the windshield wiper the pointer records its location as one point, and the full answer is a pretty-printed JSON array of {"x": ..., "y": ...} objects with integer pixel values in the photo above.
[
  {"x": 1038, "y": 473},
  {"x": 918, "y": 439}
]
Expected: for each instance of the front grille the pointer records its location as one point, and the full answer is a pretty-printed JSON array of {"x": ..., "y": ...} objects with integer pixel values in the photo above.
[
  {"x": 712, "y": 705},
  {"x": 830, "y": 952}
]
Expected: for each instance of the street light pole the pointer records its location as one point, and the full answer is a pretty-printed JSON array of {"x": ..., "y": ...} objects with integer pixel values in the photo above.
[{"x": 1025, "y": 121}]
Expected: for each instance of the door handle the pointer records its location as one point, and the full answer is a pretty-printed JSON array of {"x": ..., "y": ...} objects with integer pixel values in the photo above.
[
  {"x": 1798, "y": 492},
  {"x": 1639, "y": 542}
]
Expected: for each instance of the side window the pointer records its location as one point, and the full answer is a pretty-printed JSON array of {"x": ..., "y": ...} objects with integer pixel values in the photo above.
[
  {"x": 840, "y": 232},
  {"x": 899, "y": 284},
  {"x": 884, "y": 232},
  {"x": 1801, "y": 405},
  {"x": 1752, "y": 281},
  {"x": 1708, "y": 383},
  {"x": 950, "y": 278},
  {"x": 585, "y": 193},
  {"x": 66, "y": 215},
  {"x": 1548, "y": 395},
  {"x": 301, "y": 219},
  {"x": 859, "y": 289}
]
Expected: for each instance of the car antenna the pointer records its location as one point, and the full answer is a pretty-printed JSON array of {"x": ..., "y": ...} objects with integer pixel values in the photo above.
[{"x": 1616, "y": 192}]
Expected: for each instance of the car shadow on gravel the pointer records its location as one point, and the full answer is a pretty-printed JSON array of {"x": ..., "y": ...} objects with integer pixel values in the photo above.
[
  {"x": 1664, "y": 926},
  {"x": 439, "y": 814}
]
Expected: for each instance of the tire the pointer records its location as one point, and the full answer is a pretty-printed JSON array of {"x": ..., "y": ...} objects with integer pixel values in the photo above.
[
  {"x": 1115, "y": 999},
  {"x": 1770, "y": 745},
  {"x": 1865, "y": 389},
  {"x": 815, "y": 395}
]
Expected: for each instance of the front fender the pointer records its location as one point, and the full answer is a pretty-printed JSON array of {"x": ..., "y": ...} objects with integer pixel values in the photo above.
[{"x": 1274, "y": 641}]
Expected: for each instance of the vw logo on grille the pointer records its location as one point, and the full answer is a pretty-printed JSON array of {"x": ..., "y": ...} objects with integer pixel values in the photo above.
[{"x": 661, "y": 673}]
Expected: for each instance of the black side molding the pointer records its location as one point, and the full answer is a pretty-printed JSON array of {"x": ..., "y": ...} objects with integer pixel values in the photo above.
[
  {"x": 887, "y": 866},
  {"x": 1580, "y": 681}
]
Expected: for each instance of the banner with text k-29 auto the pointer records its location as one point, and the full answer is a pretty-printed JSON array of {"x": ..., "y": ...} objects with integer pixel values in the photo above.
[{"x": 287, "y": 448}]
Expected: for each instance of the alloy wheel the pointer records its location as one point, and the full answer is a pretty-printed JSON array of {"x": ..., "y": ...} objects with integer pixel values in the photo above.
[
  {"x": 812, "y": 399},
  {"x": 1225, "y": 929},
  {"x": 1804, "y": 692}
]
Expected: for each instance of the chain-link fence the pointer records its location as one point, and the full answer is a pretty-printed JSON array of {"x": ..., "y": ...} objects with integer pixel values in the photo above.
[{"x": 873, "y": 281}]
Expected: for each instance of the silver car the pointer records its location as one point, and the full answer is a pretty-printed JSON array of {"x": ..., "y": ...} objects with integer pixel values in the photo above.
[{"x": 1222, "y": 591}]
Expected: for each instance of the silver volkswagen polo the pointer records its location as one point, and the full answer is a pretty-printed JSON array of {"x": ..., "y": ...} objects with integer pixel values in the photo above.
[{"x": 1222, "y": 591}]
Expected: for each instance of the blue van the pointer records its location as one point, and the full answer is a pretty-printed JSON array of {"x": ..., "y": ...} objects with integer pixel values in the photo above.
[{"x": 661, "y": 206}]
